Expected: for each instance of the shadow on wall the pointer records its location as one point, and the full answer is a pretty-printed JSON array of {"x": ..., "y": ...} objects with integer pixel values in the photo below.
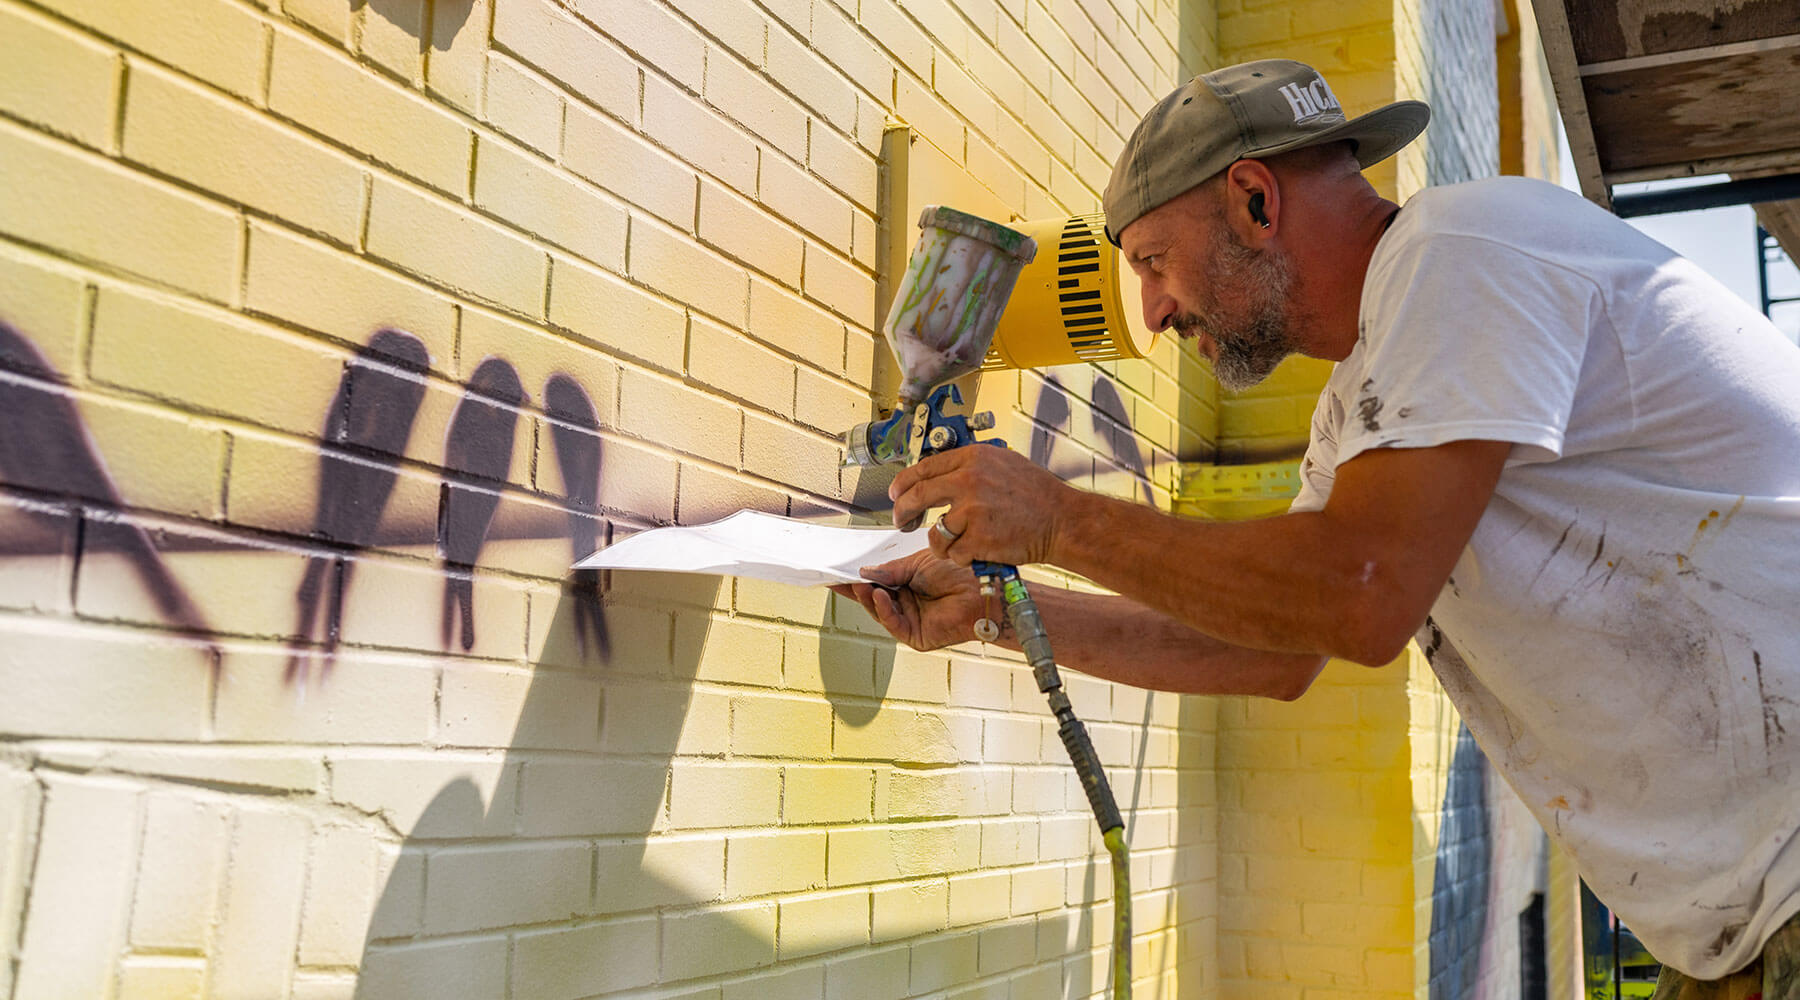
[{"x": 433, "y": 22}]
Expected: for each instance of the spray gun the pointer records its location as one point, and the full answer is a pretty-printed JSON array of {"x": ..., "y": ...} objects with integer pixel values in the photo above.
[{"x": 940, "y": 326}]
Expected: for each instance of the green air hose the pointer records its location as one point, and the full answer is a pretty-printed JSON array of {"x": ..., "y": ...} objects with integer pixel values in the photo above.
[{"x": 1028, "y": 626}]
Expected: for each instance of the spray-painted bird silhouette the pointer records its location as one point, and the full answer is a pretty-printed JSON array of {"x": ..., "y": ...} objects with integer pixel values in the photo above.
[
  {"x": 573, "y": 428},
  {"x": 477, "y": 452},
  {"x": 1110, "y": 406},
  {"x": 44, "y": 445},
  {"x": 365, "y": 433}
]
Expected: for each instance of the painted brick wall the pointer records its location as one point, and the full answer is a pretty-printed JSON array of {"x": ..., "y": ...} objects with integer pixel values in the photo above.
[{"x": 334, "y": 329}]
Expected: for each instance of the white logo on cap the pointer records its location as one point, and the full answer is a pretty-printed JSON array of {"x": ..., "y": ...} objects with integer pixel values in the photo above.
[{"x": 1314, "y": 100}]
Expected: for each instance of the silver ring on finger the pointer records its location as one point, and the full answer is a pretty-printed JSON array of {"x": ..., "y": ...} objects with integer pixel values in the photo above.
[{"x": 943, "y": 529}]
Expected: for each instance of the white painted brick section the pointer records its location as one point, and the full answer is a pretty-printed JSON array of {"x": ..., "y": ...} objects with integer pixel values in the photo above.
[{"x": 81, "y": 889}]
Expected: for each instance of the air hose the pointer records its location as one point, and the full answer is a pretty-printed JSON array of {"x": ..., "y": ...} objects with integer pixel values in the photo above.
[{"x": 1028, "y": 627}]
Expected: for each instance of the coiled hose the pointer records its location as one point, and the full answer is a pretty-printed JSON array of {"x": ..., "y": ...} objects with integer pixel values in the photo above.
[{"x": 1028, "y": 626}]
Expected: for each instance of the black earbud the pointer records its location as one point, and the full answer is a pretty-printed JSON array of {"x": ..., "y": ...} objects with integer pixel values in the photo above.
[{"x": 1256, "y": 210}]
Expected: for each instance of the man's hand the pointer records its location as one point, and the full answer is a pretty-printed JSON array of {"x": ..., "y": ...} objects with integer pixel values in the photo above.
[
  {"x": 1003, "y": 508},
  {"x": 924, "y": 601}
]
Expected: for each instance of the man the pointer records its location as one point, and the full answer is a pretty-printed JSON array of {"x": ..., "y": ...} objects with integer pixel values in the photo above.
[{"x": 1555, "y": 450}]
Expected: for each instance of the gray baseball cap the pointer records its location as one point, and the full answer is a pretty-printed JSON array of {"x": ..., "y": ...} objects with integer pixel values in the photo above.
[{"x": 1247, "y": 111}]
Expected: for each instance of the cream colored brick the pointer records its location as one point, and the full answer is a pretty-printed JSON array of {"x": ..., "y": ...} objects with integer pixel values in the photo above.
[
  {"x": 883, "y": 854},
  {"x": 260, "y": 920},
  {"x": 767, "y": 726},
  {"x": 1013, "y": 740},
  {"x": 827, "y": 794},
  {"x": 588, "y": 798},
  {"x": 186, "y": 843},
  {"x": 324, "y": 986},
  {"x": 287, "y": 270},
  {"x": 330, "y": 18},
  {"x": 1037, "y": 889},
  {"x": 532, "y": 195},
  {"x": 265, "y": 491},
  {"x": 946, "y": 793},
  {"x": 1007, "y": 842},
  {"x": 58, "y": 79},
  {"x": 657, "y": 873},
  {"x": 473, "y": 888},
  {"x": 80, "y": 887},
  {"x": 93, "y": 209},
  {"x": 708, "y": 495},
  {"x": 448, "y": 246},
  {"x": 943, "y": 961},
  {"x": 389, "y": 37},
  {"x": 979, "y": 898},
  {"x": 737, "y": 366},
  {"x": 653, "y": 33},
  {"x": 1007, "y": 947},
  {"x": 401, "y": 606},
  {"x": 216, "y": 40},
  {"x": 326, "y": 92},
  {"x": 467, "y": 968},
  {"x": 149, "y": 458},
  {"x": 365, "y": 698},
  {"x": 840, "y": 285},
  {"x": 706, "y": 795},
  {"x": 837, "y": 38},
  {"x": 605, "y": 311},
  {"x": 812, "y": 925},
  {"x": 763, "y": 864},
  {"x": 668, "y": 263},
  {"x": 204, "y": 359},
  {"x": 846, "y": 166},
  {"x": 445, "y": 795},
  {"x": 690, "y": 130},
  {"x": 665, "y": 718},
  {"x": 787, "y": 322},
  {"x": 793, "y": 194},
  {"x": 545, "y": 35},
  {"x": 400, "y": 873},
  {"x": 159, "y": 977},
  {"x": 748, "y": 233},
  {"x": 909, "y": 910},
  {"x": 797, "y": 68},
  {"x": 780, "y": 602},
  {"x": 875, "y": 974},
  {"x": 725, "y": 939},
  {"x": 913, "y": 676},
  {"x": 523, "y": 107},
  {"x": 883, "y": 19},
  {"x": 459, "y": 41},
  {"x": 21, "y": 808},
  {"x": 45, "y": 302},
  {"x": 72, "y": 682},
  {"x": 747, "y": 97},
  {"x": 904, "y": 735},
  {"x": 678, "y": 417},
  {"x": 623, "y": 162},
  {"x": 575, "y": 962},
  {"x": 805, "y": 982},
  {"x": 827, "y": 404},
  {"x": 230, "y": 149},
  {"x": 791, "y": 455},
  {"x": 487, "y": 707}
]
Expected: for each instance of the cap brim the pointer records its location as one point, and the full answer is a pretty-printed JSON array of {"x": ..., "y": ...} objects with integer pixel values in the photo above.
[{"x": 1378, "y": 135}]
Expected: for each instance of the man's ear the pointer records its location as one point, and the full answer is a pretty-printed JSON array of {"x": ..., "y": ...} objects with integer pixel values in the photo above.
[{"x": 1252, "y": 201}]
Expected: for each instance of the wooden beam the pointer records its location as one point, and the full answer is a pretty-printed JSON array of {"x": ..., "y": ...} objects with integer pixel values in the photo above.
[
  {"x": 1785, "y": 161},
  {"x": 1565, "y": 77},
  {"x": 1691, "y": 55}
]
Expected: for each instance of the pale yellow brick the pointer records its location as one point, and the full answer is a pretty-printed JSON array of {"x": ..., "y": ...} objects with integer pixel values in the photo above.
[
  {"x": 160, "y": 977},
  {"x": 904, "y": 735},
  {"x": 839, "y": 285},
  {"x": 837, "y": 39},
  {"x": 390, "y": 37},
  {"x": 459, "y": 40},
  {"x": 340, "y": 896},
  {"x": 747, "y": 97},
  {"x": 534, "y": 196},
  {"x": 72, "y": 682},
  {"x": 42, "y": 540},
  {"x": 829, "y": 404},
  {"x": 652, "y": 32},
  {"x": 793, "y": 194},
  {"x": 665, "y": 718},
  {"x": 846, "y": 166},
  {"x": 522, "y": 106},
  {"x": 939, "y": 962},
  {"x": 401, "y": 606},
  {"x": 796, "y": 67},
  {"x": 871, "y": 974},
  {"x": 444, "y": 795},
  {"x": 232, "y": 150},
  {"x": 569, "y": 963},
  {"x": 45, "y": 301},
  {"x": 669, "y": 263},
  {"x": 585, "y": 798},
  {"x": 545, "y": 35},
  {"x": 912, "y": 676},
  {"x": 884, "y": 19},
  {"x": 488, "y": 707},
  {"x": 784, "y": 320},
  {"x": 363, "y": 698},
  {"x": 690, "y": 130},
  {"x": 767, "y": 726},
  {"x": 780, "y": 602},
  {"x": 470, "y": 968},
  {"x": 259, "y": 922},
  {"x": 1010, "y": 841},
  {"x": 792, "y": 455},
  {"x": 324, "y": 986},
  {"x": 763, "y": 864},
  {"x": 92, "y": 209},
  {"x": 883, "y": 854},
  {"x": 218, "y": 41},
  {"x": 57, "y": 79},
  {"x": 287, "y": 272},
  {"x": 330, "y": 18},
  {"x": 1008, "y": 946},
  {"x": 265, "y": 491},
  {"x": 1037, "y": 889},
  {"x": 657, "y": 873},
  {"x": 827, "y": 794},
  {"x": 979, "y": 898},
  {"x": 678, "y": 417},
  {"x": 811, "y": 925},
  {"x": 326, "y": 92},
  {"x": 707, "y": 795},
  {"x": 708, "y": 494},
  {"x": 805, "y": 982},
  {"x": 185, "y": 848},
  {"x": 449, "y": 246},
  {"x": 725, "y": 939},
  {"x": 909, "y": 910},
  {"x": 749, "y": 233},
  {"x": 605, "y": 311},
  {"x": 80, "y": 886},
  {"x": 623, "y": 162},
  {"x": 737, "y": 366},
  {"x": 155, "y": 459},
  {"x": 473, "y": 888},
  {"x": 204, "y": 359}
]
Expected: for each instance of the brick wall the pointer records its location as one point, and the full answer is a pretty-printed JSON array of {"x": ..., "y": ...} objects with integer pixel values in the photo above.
[{"x": 335, "y": 329}]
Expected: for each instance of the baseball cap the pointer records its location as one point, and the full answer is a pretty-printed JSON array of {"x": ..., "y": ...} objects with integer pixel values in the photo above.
[{"x": 1247, "y": 111}]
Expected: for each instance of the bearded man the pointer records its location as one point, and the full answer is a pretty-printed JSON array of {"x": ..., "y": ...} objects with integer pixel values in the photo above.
[{"x": 1557, "y": 452}]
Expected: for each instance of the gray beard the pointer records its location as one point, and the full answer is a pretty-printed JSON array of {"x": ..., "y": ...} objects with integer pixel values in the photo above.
[{"x": 1250, "y": 348}]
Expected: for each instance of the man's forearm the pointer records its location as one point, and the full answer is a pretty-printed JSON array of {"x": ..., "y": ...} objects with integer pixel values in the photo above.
[{"x": 1118, "y": 639}]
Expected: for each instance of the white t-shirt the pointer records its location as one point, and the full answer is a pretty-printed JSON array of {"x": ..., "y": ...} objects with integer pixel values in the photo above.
[{"x": 1622, "y": 634}]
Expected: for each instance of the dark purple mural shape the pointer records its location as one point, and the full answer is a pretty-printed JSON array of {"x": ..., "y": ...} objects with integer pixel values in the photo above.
[
  {"x": 44, "y": 445},
  {"x": 365, "y": 433},
  {"x": 574, "y": 428},
  {"x": 1051, "y": 411},
  {"x": 477, "y": 454},
  {"x": 1112, "y": 423}
]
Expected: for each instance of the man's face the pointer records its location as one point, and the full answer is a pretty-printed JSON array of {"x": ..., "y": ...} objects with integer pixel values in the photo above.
[{"x": 1233, "y": 301}]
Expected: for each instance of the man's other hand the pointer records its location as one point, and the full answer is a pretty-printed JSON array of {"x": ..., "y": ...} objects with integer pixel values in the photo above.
[
  {"x": 1003, "y": 508},
  {"x": 923, "y": 600}
]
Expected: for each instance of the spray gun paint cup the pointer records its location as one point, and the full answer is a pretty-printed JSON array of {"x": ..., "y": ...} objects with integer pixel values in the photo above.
[{"x": 956, "y": 284}]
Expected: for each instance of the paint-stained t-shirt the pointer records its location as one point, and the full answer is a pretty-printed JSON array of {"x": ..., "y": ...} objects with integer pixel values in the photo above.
[{"x": 1622, "y": 634}]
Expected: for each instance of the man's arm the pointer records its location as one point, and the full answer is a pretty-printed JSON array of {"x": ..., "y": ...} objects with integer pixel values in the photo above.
[{"x": 1354, "y": 580}]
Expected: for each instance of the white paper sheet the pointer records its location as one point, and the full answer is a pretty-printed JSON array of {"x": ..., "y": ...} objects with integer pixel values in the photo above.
[{"x": 763, "y": 546}]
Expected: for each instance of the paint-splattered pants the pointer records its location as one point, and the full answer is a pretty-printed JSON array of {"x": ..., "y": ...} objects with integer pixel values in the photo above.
[{"x": 1774, "y": 976}]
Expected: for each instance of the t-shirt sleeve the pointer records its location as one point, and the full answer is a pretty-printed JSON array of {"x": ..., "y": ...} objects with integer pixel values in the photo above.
[
  {"x": 1468, "y": 339},
  {"x": 1317, "y": 469}
]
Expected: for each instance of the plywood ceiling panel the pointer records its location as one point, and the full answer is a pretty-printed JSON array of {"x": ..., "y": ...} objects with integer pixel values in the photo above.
[
  {"x": 1604, "y": 30},
  {"x": 1741, "y": 105}
]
